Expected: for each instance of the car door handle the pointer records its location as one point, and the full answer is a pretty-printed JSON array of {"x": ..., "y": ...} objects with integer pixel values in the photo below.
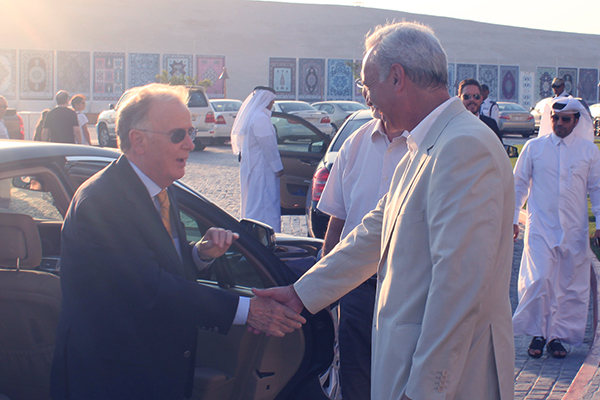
[{"x": 310, "y": 163}]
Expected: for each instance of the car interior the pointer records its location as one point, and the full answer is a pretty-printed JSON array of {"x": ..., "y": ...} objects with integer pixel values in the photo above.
[{"x": 239, "y": 365}]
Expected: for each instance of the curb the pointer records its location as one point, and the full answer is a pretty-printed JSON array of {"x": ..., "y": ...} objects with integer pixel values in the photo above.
[{"x": 589, "y": 368}]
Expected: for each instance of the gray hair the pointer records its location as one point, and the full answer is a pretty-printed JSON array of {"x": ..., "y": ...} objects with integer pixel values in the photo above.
[
  {"x": 413, "y": 46},
  {"x": 133, "y": 113}
]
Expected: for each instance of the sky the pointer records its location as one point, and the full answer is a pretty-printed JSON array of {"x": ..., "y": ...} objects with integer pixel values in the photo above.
[{"x": 578, "y": 17}]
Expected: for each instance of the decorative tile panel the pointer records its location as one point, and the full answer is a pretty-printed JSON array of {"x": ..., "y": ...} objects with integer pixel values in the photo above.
[
  {"x": 8, "y": 74},
  {"x": 311, "y": 79},
  {"x": 143, "y": 68},
  {"x": 211, "y": 67},
  {"x": 73, "y": 72},
  {"x": 465, "y": 71},
  {"x": 452, "y": 83},
  {"x": 527, "y": 92},
  {"x": 488, "y": 75},
  {"x": 282, "y": 77},
  {"x": 509, "y": 84},
  {"x": 339, "y": 79},
  {"x": 109, "y": 76},
  {"x": 543, "y": 83},
  {"x": 570, "y": 77},
  {"x": 588, "y": 85},
  {"x": 37, "y": 75},
  {"x": 178, "y": 64}
]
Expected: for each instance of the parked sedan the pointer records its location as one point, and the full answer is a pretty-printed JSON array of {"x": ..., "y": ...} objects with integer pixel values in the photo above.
[
  {"x": 225, "y": 112},
  {"x": 302, "y": 109},
  {"x": 514, "y": 118},
  {"x": 315, "y": 219},
  {"x": 339, "y": 111},
  {"x": 42, "y": 178}
]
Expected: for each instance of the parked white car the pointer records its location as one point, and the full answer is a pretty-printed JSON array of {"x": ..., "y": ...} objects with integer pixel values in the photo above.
[
  {"x": 339, "y": 110},
  {"x": 302, "y": 109},
  {"x": 203, "y": 119},
  {"x": 225, "y": 112}
]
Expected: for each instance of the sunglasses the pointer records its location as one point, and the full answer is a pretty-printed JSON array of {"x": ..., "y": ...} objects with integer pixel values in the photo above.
[
  {"x": 177, "y": 135},
  {"x": 359, "y": 84},
  {"x": 468, "y": 96},
  {"x": 557, "y": 86},
  {"x": 565, "y": 119}
]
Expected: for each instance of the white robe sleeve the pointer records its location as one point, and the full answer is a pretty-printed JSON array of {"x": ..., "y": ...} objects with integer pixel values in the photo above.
[
  {"x": 593, "y": 183},
  {"x": 522, "y": 173}
]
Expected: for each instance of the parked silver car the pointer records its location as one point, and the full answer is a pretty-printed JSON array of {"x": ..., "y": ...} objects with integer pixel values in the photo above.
[
  {"x": 302, "y": 109},
  {"x": 225, "y": 112},
  {"x": 514, "y": 118},
  {"x": 339, "y": 110}
]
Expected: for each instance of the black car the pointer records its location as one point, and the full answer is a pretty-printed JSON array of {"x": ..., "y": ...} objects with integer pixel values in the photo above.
[
  {"x": 316, "y": 220},
  {"x": 39, "y": 179}
]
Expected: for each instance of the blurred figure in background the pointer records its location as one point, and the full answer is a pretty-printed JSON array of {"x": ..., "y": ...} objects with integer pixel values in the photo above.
[
  {"x": 78, "y": 104},
  {"x": 40, "y": 126}
]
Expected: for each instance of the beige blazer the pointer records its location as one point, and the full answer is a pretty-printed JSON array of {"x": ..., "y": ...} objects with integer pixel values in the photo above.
[{"x": 441, "y": 243}]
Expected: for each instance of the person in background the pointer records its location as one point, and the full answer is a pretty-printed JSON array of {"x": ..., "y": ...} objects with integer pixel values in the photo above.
[
  {"x": 489, "y": 108},
  {"x": 78, "y": 104},
  {"x": 40, "y": 126},
  {"x": 554, "y": 175},
  {"x": 3, "y": 107},
  {"x": 558, "y": 87},
  {"x": 469, "y": 93},
  {"x": 61, "y": 125},
  {"x": 254, "y": 140}
]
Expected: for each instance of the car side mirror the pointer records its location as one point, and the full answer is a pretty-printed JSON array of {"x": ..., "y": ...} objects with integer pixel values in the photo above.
[
  {"x": 512, "y": 151},
  {"x": 111, "y": 106},
  {"x": 316, "y": 147},
  {"x": 262, "y": 232},
  {"x": 28, "y": 182}
]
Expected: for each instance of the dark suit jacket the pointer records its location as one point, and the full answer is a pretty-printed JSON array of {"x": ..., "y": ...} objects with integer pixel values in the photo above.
[
  {"x": 491, "y": 122},
  {"x": 131, "y": 307}
]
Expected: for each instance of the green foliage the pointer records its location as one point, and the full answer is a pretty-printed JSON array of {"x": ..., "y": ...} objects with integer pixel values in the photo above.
[
  {"x": 355, "y": 66},
  {"x": 174, "y": 80}
]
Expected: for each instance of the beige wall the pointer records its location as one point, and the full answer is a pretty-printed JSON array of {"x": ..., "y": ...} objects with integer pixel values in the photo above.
[{"x": 248, "y": 33}]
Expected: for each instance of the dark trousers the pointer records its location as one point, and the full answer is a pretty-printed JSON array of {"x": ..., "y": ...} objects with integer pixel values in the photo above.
[{"x": 356, "y": 321}]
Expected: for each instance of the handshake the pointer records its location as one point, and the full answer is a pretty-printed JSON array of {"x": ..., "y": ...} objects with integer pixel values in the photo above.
[{"x": 275, "y": 311}]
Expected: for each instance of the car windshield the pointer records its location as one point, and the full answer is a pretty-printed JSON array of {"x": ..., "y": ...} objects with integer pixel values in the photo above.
[
  {"x": 348, "y": 130},
  {"x": 510, "y": 107},
  {"x": 221, "y": 106},
  {"x": 293, "y": 107},
  {"x": 352, "y": 106},
  {"x": 197, "y": 99}
]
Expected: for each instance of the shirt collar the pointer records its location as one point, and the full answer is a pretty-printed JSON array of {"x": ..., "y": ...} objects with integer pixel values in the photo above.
[
  {"x": 153, "y": 188},
  {"x": 556, "y": 140},
  {"x": 417, "y": 135}
]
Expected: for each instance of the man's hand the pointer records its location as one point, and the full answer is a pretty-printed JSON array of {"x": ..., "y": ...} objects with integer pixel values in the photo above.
[
  {"x": 285, "y": 295},
  {"x": 279, "y": 174},
  {"x": 516, "y": 231},
  {"x": 268, "y": 316},
  {"x": 215, "y": 243}
]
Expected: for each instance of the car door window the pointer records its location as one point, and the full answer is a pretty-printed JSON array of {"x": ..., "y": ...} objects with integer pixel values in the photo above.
[
  {"x": 293, "y": 136},
  {"x": 233, "y": 269},
  {"x": 27, "y": 195}
]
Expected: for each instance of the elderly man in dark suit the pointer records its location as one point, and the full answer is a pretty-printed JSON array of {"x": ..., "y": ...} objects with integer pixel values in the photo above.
[{"x": 131, "y": 306}]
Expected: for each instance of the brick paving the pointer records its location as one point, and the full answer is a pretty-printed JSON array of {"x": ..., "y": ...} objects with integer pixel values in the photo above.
[{"x": 214, "y": 173}]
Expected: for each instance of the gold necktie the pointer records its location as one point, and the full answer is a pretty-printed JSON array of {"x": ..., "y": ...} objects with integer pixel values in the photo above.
[{"x": 165, "y": 205}]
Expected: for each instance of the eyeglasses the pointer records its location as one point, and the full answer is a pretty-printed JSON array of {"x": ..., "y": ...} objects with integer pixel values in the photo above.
[
  {"x": 177, "y": 135},
  {"x": 468, "y": 96},
  {"x": 564, "y": 119},
  {"x": 359, "y": 83},
  {"x": 557, "y": 86}
]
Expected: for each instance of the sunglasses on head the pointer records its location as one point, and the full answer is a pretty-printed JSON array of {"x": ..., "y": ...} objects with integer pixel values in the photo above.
[
  {"x": 177, "y": 135},
  {"x": 468, "y": 96},
  {"x": 563, "y": 118}
]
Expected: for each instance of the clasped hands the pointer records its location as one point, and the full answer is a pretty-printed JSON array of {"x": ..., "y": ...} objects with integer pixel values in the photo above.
[{"x": 274, "y": 311}]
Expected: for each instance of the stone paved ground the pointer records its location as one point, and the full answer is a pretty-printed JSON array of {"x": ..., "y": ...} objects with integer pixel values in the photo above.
[{"x": 214, "y": 173}]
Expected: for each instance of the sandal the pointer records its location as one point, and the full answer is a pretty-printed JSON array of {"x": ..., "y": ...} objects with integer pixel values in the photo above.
[
  {"x": 536, "y": 347},
  {"x": 556, "y": 349}
]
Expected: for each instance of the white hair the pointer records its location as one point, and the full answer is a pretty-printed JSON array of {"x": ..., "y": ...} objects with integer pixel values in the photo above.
[{"x": 413, "y": 46}]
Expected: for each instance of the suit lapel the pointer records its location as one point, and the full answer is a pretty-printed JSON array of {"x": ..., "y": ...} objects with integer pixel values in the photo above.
[
  {"x": 144, "y": 213},
  {"x": 409, "y": 179}
]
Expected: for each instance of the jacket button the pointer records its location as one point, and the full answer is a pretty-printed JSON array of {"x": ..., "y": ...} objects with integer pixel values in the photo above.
[{"x": 187, "y": 354}]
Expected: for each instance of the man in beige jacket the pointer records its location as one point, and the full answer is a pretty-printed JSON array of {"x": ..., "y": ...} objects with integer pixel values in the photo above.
[{"x": 440, "y": 240}]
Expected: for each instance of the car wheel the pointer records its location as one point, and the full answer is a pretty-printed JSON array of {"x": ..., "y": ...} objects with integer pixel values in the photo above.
[
  {"x": 199, "y": 147},
  {"x": 103, "y": 137},
  {"x": 335, "y": 129},
  {"x": 526, "y": 134}
]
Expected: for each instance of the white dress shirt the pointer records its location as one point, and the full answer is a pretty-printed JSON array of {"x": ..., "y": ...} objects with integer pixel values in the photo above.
[
  {"x": 241, "y": 315},
  {"x": 490, "y": 110},
  {"x": 361, "y": 174}
]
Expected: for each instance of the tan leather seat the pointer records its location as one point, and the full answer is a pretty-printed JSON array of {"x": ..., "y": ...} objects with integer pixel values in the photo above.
[{"x": 29, "y": 309}]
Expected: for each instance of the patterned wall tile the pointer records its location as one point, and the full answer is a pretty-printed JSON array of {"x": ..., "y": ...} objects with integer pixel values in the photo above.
[
  {"x": 509, "y": 83},
  {"x": 311, "y": 79},
  {"x": 282, "y": 77},
  {"x": 588, "y": 85},
  {"x": 356, "y": 92},
  {"x": 452, "y": 84},
  {"x": 211, "y": 67},
  {"x": 37, "y": 75},
  {"x": 339, "y": 79},
  {"x": 488, "y": 75},
  {"x": 143, "y": 68},
  {"x": 73, "y": 72},
  {"x": 178, "y": 64},
  {"x": 465, "y": 71},
  {"x": 8, "y": 74},
  {"x": 570, "y": 77},
  {"x": 543, "y": 83},
  {"x": 109, "y": 76},
  {"x": 527, "y": 92}
]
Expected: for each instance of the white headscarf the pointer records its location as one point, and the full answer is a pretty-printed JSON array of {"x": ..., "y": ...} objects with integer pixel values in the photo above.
[
  {"x": 568, "y": 105},
  {"x": 255, "y": 103}
]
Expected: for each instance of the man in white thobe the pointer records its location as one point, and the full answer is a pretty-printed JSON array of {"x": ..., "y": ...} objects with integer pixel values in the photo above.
[
  {"x": 554, "y": 174},
  {"x": 254, "y": 139}
]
